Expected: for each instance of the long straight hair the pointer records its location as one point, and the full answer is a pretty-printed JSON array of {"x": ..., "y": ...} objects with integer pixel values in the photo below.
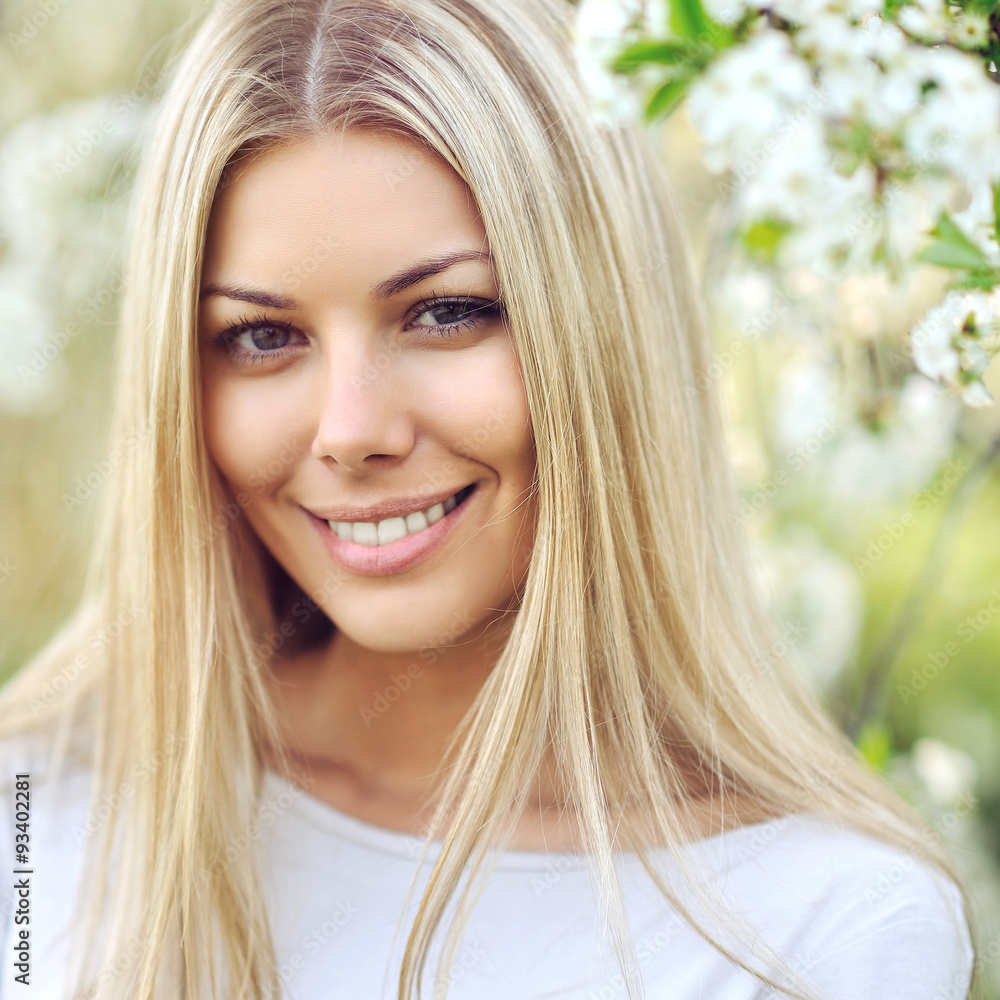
[{"x": 641, "y": 656}]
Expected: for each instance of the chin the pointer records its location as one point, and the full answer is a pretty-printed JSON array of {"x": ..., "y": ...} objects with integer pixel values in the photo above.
[
  {"x": 380, "y": 640},
  {"x": 419, "y": 636}
]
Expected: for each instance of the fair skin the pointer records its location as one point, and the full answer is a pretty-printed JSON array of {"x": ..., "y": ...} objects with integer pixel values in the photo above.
[{"x": 336, "y": 394}]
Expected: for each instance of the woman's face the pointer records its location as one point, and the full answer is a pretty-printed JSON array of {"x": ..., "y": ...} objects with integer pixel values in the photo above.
[{"x": 357, "y": 369}]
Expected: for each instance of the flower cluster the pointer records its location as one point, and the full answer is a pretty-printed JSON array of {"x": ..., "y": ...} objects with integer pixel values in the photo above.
[
  {"x": 845, "y": 134},
  {"x": 855, "y": 150},
  {"x": 64, "y": 180},
  {"x": 598, "y": 32},
  {"x": 934, "y": 21},
  {"x": 956, "y": 341}
]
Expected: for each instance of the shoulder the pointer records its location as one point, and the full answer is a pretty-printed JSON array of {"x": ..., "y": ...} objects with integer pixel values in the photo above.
[
  {"x": 47, "y": 792},
  {"x": 51, "y": 762},
  {"x": 858, "y": 916}
]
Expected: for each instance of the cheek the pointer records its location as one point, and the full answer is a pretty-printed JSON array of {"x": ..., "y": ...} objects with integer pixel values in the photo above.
[
  {"x": 489, "y": 418},
  {"x": 247, "y": 432},
  {"x": 495, "y": 430}
]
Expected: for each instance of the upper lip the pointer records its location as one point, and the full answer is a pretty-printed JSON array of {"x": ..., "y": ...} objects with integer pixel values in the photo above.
[{"x": 398, "y": 507}]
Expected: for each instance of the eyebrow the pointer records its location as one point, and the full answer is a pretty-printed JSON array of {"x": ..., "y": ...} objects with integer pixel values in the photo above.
[{"x": 383, "y": 290}]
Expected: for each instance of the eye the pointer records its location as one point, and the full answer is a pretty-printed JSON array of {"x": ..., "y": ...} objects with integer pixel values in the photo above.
[
  {"x": 451, "y": 316},
  {"x": 259, "y": 339}
]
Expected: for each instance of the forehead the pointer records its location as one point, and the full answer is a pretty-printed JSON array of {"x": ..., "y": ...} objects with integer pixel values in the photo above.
[{"x": 360, "y": 199}]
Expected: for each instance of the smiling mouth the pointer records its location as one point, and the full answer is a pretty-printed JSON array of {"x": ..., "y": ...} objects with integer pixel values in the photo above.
[{"x": 377, "y": 533}]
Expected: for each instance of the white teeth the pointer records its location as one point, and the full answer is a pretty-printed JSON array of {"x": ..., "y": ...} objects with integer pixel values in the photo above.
[
  {"x": 365, "y": 533},
  {"x": 389, "y": 531},
  {"x": 416, "y": 522},
  {"x": 393, "y": 528}
]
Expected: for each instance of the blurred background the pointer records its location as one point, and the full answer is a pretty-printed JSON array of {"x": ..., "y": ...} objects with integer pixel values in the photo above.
[{"x": 871, "y": 496}]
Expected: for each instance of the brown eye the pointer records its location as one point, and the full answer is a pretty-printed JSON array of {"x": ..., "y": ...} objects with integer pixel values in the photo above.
[
  {"x": 259, "y": 340},
  {"x": 267, "y": 338},
  {"x": 452, "y": 316}
]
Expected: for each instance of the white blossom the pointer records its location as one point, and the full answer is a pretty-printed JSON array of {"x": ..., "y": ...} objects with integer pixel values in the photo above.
[
  {"x": 799, "y": 11},
  {"x": 974, "y": 359},
  {"x": 976, "y": 222},
  {"x": 27, "y": 321},
  {"x": 598, "y": 31},
  {"x": 933, "y": 339},
  {"x": 955, "y": 337},
  {"x": 868, "y": 466},
  {"x": 604, "y": 21},
  {"x": 923, "y": 430},
  {"x": 816, "y": 599},
  {"x": 971, "y": 31},
  {"x": 835, "y": 44},
  {"x": 898, "y": 95},
  {"x": 960, "y": 119},
  {"x": 795, "y": 170},
  {"x": 976, "y": 394},
  {"x": 808, "y": 407},
  {"x": 859, "y": 9},
  {"x": 862, "y": 77},
  {"x": 887, "y": 45},
  {"x": 62, "y": 221},
  {"x": 909, "y": 211},
  {"x": 748, "y": 300},
  {"x": 856, "y": 93},
  {"x": 926, "y": 19},
  {"x": 835, "y": 234},
  {"x": 946, "y": 773},
  {"x": 744, "y": 95},
  {"x": 725, "y": 11},
  {"x": 808, "y": 11},
  {"x": 856, "y": 470}
]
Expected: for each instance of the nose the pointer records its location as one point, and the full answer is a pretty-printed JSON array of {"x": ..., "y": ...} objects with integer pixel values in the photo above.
[{"x": 363, "y": 419}]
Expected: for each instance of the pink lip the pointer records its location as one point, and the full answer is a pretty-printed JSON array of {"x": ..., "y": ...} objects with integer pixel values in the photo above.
[{"x": 397, "y": 556}]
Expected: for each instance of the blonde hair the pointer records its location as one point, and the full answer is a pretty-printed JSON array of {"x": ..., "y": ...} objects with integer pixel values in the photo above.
[{"x": 640, "y": 655}]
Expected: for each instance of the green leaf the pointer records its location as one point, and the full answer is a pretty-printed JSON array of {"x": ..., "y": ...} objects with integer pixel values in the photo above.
[
  {"x": 952, "y": 255},
  {"x": 666, "y": 53},
  {"x": 978, "y": 280},
  {"x": 688, "y": 19},
  {"x": 952, "y": 248},
  {"x": 689, "y": 22},
  {"x": 763, "y": 237},
  {"x": 666, "y": 97},
  {"x": 880, "y": 255},
  {"x": 875, "y": 745}
]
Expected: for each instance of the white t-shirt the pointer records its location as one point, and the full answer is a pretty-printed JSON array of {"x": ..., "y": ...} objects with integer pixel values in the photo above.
[{"x": 860, "y": 919}]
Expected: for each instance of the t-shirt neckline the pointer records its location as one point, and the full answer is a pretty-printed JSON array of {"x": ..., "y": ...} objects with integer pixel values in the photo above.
[{"x": 406, "y": 846}]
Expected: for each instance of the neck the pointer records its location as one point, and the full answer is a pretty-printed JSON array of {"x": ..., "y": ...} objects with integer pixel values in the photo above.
[{"x": 380, "y": 722}]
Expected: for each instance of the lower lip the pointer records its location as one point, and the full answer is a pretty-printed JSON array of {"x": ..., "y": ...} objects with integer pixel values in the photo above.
[{"x": 397, "y": 556}]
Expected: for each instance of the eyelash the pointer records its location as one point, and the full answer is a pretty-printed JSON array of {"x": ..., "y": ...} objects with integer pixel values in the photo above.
[{"x": 477, "y": 308}]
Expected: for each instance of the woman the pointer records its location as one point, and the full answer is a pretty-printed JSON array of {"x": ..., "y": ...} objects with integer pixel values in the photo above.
[{"x": 424, "y": 535}]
